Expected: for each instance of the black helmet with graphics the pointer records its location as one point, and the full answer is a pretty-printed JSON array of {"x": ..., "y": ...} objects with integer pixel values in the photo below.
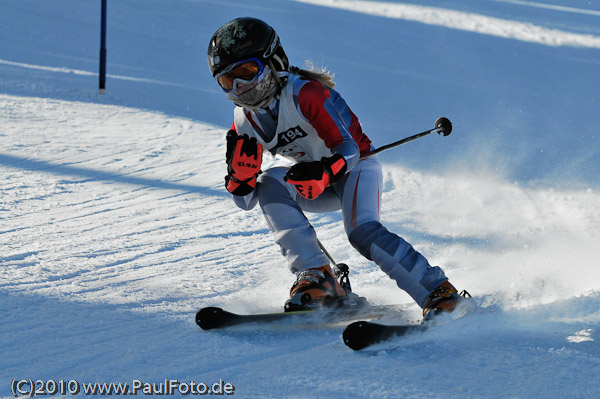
[
  {"x": 245, "y": 38},
  {"x": 245, "y": 56}
]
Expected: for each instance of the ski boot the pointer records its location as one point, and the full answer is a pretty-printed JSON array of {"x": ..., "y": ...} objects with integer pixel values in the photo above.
[
  {"x": 313, "y": 288},
  {"x": 445, "y": 298}
]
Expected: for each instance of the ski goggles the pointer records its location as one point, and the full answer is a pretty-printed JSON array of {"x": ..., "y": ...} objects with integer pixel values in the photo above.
[{"x": 245, "y": 72}]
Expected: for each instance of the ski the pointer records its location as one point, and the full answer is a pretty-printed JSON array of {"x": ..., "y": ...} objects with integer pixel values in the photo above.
[
  {"x": 362, "y": 334},
  {"x": 214, "y": 317}
]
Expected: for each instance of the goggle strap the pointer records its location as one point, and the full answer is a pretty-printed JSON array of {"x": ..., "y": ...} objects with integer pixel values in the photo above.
[{"x": 275, "y": 73}]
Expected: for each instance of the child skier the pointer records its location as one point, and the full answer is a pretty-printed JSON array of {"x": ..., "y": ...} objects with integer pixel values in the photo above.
[{"x": 296, "y": 113}]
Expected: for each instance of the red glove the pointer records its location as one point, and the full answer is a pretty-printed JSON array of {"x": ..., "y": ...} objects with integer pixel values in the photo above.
[
  {"x": 244, "y": 158},
  {"x": 312, "y": 178}
]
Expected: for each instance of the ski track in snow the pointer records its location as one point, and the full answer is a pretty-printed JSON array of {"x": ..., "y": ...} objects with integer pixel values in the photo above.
[
  {"x": 116, "y": 230},
  {"x": 552, "y": 7},
  {"x": 80, "y": 72},
  {"x": 470, "y": 22}
]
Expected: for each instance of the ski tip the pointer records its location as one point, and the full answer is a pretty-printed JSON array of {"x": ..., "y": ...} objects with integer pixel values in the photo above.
[
  {"x": 362, "y": 334},
  {"x": 356, "y": 335},
  {"x": 209, "y": 318}
]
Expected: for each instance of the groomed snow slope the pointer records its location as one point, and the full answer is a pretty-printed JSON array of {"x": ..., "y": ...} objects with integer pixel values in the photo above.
[{"x": 114, "y": 236}]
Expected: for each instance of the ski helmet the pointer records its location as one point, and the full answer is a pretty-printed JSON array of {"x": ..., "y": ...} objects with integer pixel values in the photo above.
[{"x": 248, "y": 39}]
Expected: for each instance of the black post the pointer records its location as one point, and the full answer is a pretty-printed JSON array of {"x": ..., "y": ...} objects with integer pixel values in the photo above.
[{"x": 102, "y": 83}]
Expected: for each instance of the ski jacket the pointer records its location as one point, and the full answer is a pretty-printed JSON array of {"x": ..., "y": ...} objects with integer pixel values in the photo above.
[{"x": 308, "y": 121}]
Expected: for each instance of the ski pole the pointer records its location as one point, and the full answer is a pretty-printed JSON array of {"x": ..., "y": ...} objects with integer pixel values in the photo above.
[
  {"x": 333, "y": 262},
  {"x": 442, "y": 125},
  {"x": 340, "y": 270}
]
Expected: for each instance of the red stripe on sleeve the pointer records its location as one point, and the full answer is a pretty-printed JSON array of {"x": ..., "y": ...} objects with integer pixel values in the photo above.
[{"x": 311, "y": 98}]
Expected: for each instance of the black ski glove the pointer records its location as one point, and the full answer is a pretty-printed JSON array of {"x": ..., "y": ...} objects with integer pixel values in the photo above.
[{"x": 310, "y": 179}]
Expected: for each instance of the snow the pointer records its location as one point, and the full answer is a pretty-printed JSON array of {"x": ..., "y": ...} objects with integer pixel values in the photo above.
[
  {"x": 115, "y": 226},
  {"x": 466, "y": 21}
]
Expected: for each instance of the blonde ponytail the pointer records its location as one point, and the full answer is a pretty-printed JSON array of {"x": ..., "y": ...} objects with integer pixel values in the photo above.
[{"x": 320, "y": 75}]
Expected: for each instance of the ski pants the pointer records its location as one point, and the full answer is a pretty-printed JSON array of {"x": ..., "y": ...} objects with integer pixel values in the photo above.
[{"x": 358, "y": 195}]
